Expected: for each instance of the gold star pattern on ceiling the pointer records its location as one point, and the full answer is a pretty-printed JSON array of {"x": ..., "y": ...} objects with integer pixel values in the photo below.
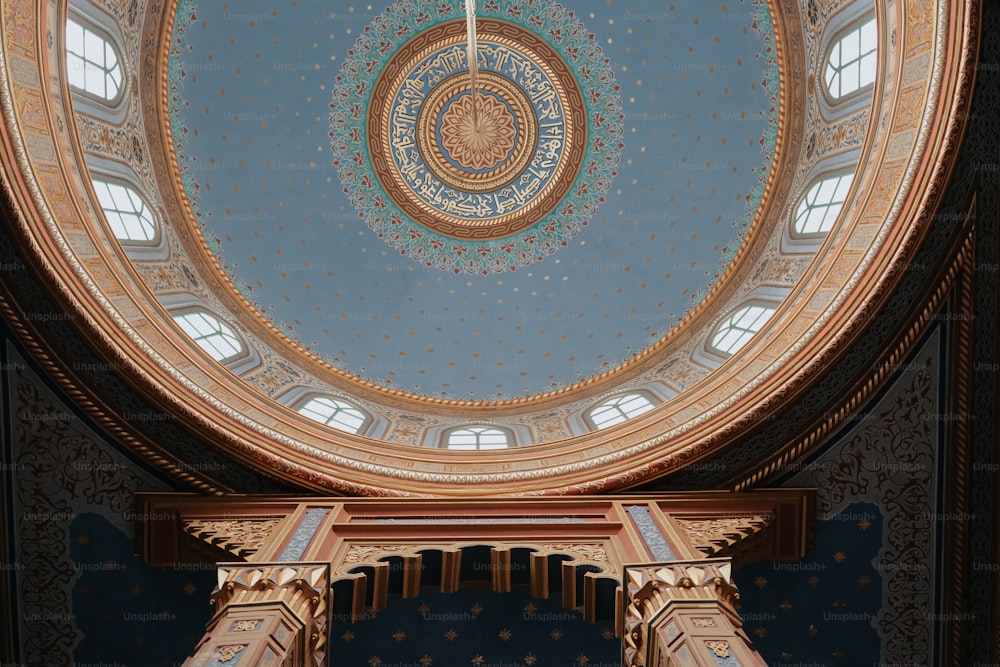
[
  {"x": 398, "y": 636},
  {"x": 504, "y": 634},
  {"x": 426, "y": 660},
  {"x": 451, "y": 635},
  {"x": 840, "y": 556},
  {"x": 530, "y": 659}
]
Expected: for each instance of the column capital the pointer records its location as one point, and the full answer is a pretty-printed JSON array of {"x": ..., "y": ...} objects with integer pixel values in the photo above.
[
  {"x": 268, "y": 611},
  {"x": 683, "y": 612}
]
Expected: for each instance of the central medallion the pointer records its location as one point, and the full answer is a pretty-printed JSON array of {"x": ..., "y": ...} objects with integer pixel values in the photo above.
[
  {"x": 484, "y": 189},
  {"x": 477, "y": 136},
  {"x": 477, "y": 152}
]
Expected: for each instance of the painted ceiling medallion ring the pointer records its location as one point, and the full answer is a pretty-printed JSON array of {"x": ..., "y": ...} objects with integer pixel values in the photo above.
[
  {"x": 471, "y": 158},
  {"x": 547, "y": 113},
  {"x": 487, "y": 192}
]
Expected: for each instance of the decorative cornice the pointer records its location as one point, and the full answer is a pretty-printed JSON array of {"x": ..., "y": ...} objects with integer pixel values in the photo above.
[
  {"x": 240, "y": 537},
  {"x": 726, "y": 536}
]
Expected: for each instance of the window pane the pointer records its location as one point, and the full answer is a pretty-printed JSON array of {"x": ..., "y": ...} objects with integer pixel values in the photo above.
[
  {"x": 852, "y": 63},
  {"x": 126, "y": 211},
  {"x": 333, "y": 412},
  {"x": 211, "y": 334},
  {"x": 478, "y": 437},
  {"x": 821, "y": 205},
  {"x": 92, "y": 63},
  {"x": 737, "y": 329},
  {"x": 618, "y": 409}
]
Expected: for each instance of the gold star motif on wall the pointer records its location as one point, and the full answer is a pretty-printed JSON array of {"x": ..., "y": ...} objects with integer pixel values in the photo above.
[
  {"x": 347, "y": 637},
  {"x": 556, "y": 634},
  {"x": 530, "y": 608},
  {"x": 864, "y": 524},
  {"x": 504, "y": 634},
  {"x": 374, "y": 661},
  {"x": 864, "y": 580},
  {"x": 478, "y": 660},
  {"x": 398, "y": 636},
  {"x": 451, "y": 635},
  {"x": 530, "y": 659},
  {"x": 426, "y": 660},
  {"x": 760, "y": 582},
  {"x": 476, "y": 609},
  {"x": 424, "y": 609},
  {"x": 840, "y": 556},
  {"x": 581, "y": 659}
]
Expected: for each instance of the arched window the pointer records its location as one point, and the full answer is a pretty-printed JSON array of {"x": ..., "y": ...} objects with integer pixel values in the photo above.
[
  {"x": 128, "y": 214},
  {"x": 853, "y": 61},
  {"x": 617, "y": 409},
  {"x": 478, "y": 437},
  {"x": 820, "y": 206},
  {"x": 93, "y": 64},
  {"x": 211, "y": 334},
  {"x": 734, "y": 331},
  {"x": 334, "y": 412}
]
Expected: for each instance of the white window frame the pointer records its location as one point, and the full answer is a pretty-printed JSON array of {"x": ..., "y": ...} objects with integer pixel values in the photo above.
[
  {"x": 76, "y": 62},
  {"x": 827, "y": 210},
  {"x": 476, "y": 432},
  {"x": 115, "y": 216},
  {"x": 614, "y": 406},
  {"x": 207, "y": 338},
  {"x": 334, "y": 419},
  {"x": 758, "y": 312},
  {"x": 864, "y": 64}
]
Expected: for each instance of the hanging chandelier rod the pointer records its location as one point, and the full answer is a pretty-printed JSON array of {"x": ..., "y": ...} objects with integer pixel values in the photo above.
[{"x": 471, "y": 53}]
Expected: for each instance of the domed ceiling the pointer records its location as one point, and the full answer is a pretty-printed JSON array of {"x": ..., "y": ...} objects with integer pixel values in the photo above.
[
  {"x": 319, "y": 150},
  {"x": 575, "y": 226}
]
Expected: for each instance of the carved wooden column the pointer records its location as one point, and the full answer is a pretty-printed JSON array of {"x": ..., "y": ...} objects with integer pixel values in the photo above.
[
  {"x": 267, "y": 614},
  {"x": 682, "y": 614}
]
